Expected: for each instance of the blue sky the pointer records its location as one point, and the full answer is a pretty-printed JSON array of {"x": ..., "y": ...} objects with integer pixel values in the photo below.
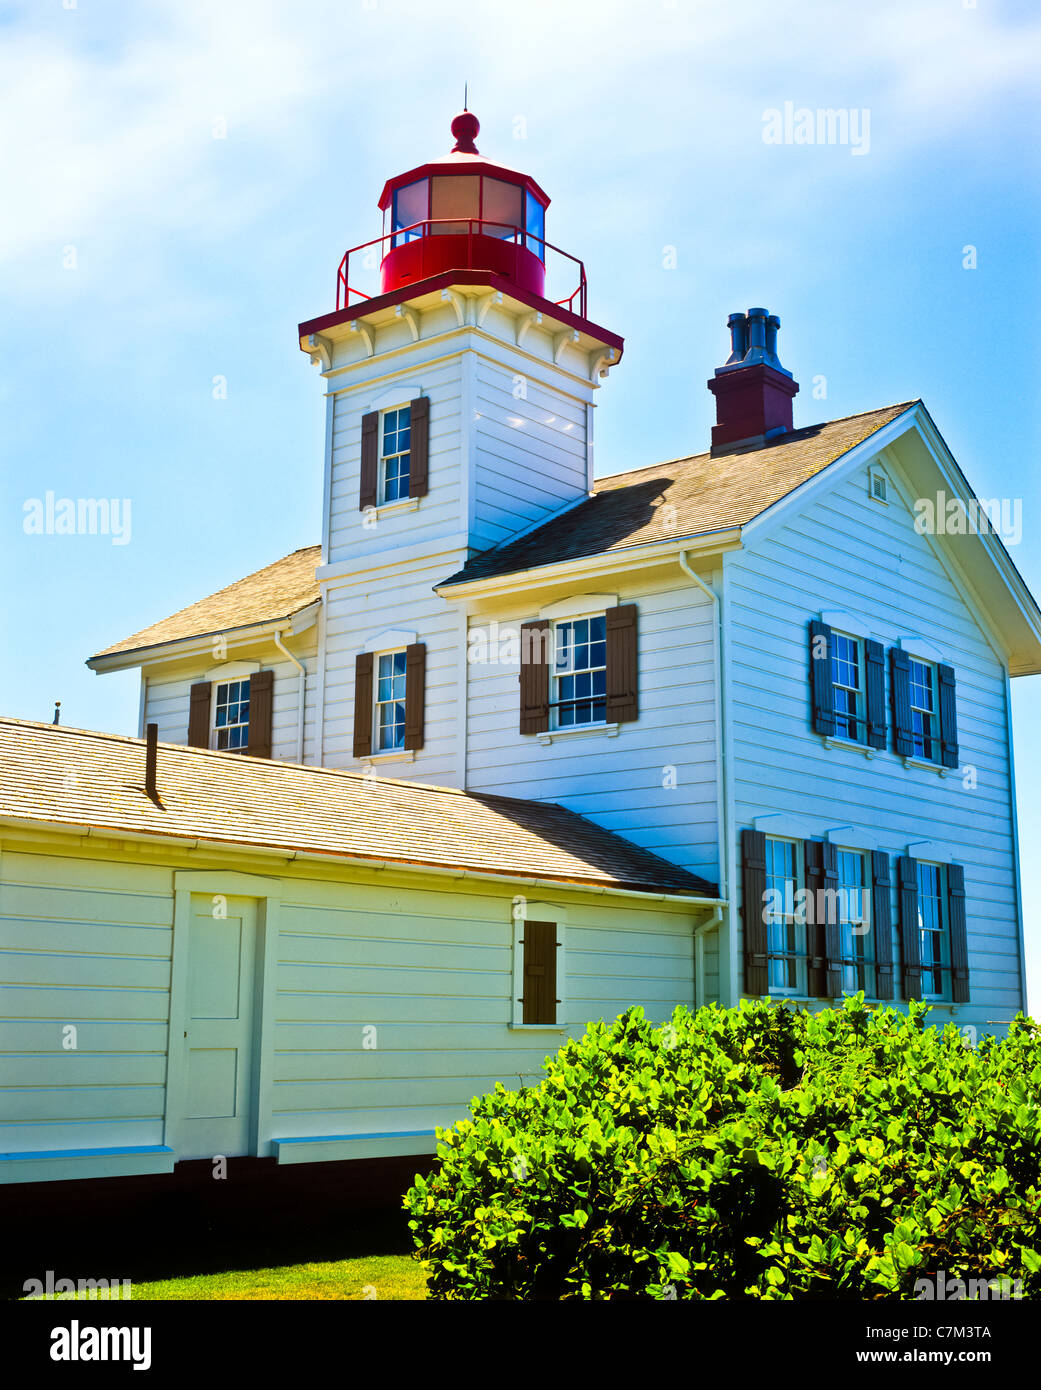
[{"x": 180, "y": 180}]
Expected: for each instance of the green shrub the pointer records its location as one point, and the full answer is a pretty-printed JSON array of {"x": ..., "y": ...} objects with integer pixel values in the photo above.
[{"x": 754, "y": 1152}]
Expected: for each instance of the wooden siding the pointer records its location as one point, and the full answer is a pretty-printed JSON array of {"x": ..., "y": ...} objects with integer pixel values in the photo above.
[
  {"x": 618, "y": 780},
  {"x": 428, "y": 964},
  {"x": 847, "y": 552}
]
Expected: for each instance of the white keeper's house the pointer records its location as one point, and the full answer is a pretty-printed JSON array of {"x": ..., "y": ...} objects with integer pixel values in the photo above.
[{"x": 512, "y": 747}]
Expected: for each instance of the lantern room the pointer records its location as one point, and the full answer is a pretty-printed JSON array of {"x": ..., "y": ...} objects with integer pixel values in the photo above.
[{"x": 463, "y": 212}]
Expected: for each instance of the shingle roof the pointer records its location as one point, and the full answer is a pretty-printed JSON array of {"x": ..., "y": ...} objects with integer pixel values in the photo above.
[
  {"x": 686, "y": 497},
  {"x": 276, "y": 591},
  {"x": 55, "y": 775}
]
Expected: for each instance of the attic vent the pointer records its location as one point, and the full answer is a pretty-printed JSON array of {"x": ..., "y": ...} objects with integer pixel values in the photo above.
[{"x": 877, "y": 483}]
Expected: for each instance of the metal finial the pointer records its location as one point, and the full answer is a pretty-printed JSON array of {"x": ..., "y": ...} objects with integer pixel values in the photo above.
[
  {"x": 57, "y": 712},
  {"x": 466, "y": 90}
]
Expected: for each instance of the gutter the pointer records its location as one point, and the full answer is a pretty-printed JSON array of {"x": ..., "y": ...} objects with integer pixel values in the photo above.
[
  {"x": 302, "y": 686},
  {"x": 699, "y": 953},
  {"x": 721, "y": 760},
  {"x": 194, "y": 843}
]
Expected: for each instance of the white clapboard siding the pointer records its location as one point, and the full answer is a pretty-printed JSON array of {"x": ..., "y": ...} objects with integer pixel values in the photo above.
[
  {"x": 617, "y": 781},
  {"x": 844, "y": 551},
  {"x": 168, "y": 695},
  {"x": 85, "y": 943},
  {"x": 358, "y": 610}
]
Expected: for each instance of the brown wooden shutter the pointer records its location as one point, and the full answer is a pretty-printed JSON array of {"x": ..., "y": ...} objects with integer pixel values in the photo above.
[
  {"x": 622, "y": 671},
  {"x": 875, "y": 688},
  {"x": 959, "y": 934},
  {"x": 900, "y": 679},
  {"x": 882, "y": 923},
  {"x": 534, "y": 677},
  {"x": 415, "y": 694},
  {"x": 199, "y": 715},
  {"x": 832, "y": 929},
  {"x": 363, "y": 705},
  {"x": 540, "y": 972},
  {"x": 419, "y": 447},
  {"x": 822, "y": 691},
  {"x": 261, "y": 708},
  {"x": 948, "y": 717},
  {"x": 370, "y": 462},
  {"x": 910, "y": 932},
  {"x": 816, "y": 941},
  {"x": 753, "y": 890}
]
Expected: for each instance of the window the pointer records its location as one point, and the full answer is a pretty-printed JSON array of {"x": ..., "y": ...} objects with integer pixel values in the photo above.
[
  {"x": 395, "y": 454},
  {"x": 390, "y": 701},
  {"x": 535, "y": 225},
  {"x": 846, "y": 676},
  {"x": 580, "y": 672},
  {"x": 785, "y": 927},
  {"x": 231, "y": 716},
  {"x": 923, "y": 706},
  {"x": 410, "y": 206},
  {"x": 855, "y": 941},
  {"x": 932, "y": 927}
]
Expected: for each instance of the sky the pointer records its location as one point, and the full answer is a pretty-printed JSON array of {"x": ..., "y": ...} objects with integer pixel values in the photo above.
[{"x": 179, "y": 179}]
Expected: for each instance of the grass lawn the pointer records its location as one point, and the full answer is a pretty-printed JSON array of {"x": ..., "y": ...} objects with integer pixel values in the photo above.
[{"x": 386, "y": 1277}]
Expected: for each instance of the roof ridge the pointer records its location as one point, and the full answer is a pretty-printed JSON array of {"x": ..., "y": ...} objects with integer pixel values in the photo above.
[{"x": 707, "y": 453}]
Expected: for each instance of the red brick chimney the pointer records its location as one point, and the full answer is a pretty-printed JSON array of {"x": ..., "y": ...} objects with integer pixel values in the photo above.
[{"x": 753, "y": 391}]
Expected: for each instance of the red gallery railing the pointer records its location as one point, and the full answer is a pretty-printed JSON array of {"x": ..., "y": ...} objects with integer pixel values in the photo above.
[{"x": 432, "y": 252}]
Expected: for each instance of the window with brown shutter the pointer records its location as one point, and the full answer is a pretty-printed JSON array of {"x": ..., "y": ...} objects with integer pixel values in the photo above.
[
  {"x": 753, "y": 891},
  {"x": 959, "y": 934},
  {"x": 622, "y": 664},
  {"x": 199, "y": 715},
  {"x": 900, "y": 683},
  {"x": 882, "y": 923},
  {"x": 363, "y": 705},
  {"x": 875, "y": 682},
  {"x": 910, "y": 933},
  {"x": 539, "y": 970},
  {"x": 415, "y": 694},
  {"x": 534, "y": 677},
  {"x": 419, "y": 461},
  {"x": 948, "y": 717},
  {"x": 822, "y": 691},
  {"x": 370, "y": 464},
  {"x": 261, "y": 707}
]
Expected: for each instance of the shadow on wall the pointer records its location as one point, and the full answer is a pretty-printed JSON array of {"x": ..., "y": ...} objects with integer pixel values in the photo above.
[{"x": 169, "y": 1226}]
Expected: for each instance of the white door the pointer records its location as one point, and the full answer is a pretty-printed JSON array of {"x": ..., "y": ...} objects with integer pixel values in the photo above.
[{"x": 218, "y": 1028}]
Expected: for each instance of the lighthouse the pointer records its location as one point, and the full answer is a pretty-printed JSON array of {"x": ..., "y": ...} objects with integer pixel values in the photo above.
[{"x": 460, "y": 367}]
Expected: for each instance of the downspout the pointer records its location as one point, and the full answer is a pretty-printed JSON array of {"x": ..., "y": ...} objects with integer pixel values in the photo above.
[
  {"x": 303, "y": 690},
  {"x": 699, "y": 954},
  {"x": 721, "y": 763}
]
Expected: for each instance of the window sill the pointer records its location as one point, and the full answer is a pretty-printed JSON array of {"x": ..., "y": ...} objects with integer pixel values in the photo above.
[
  {"x": 536, "y": 1028},
  {"x": 825, "y": 1002},
  {"x": 396, "y": 755},
  {"x": 404, "y": 504},
  {"x": 583, "y": 730},
  {"x": 835, "y": 741},
  {"x": 927, "y": 766}
]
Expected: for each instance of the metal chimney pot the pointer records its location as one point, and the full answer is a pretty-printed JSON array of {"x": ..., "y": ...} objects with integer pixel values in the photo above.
[
  {"x": 756, "y": 330},
  {"x": 738, "y": 325},
  {"x": 151, "y": 755}
]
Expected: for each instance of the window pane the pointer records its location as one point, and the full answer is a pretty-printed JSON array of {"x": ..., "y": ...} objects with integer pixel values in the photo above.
[
  {"x": 501, "y": 207},
  {"x": 454, "y": 196},
  {"x": 410, "y": 205},
  {"x": 535, "y": 224}
]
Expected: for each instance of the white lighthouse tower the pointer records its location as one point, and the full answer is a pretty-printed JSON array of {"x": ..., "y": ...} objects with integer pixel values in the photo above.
[{"x": 460, "y": 367}]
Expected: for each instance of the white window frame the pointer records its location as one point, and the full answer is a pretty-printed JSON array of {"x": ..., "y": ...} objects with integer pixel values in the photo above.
[
  {"x": 398, "y": 748},
  {"x": 876, "y": 472},
  {"x": 215, "y": 729},
  {"x": 860, "y": 715},
  {"x": 942, "y": 933},
  {"x": 796, "y": 923},
  {"x": 556, "y": 675},
  {"x": 382, "y": 500},
  {"x": 848, "y": 921},
  {"x": 934, "y": 712},
  {"x": 538, "y": 912}
]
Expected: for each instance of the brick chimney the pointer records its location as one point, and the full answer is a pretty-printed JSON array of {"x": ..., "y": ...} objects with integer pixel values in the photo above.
[{"x": 753, "y": 391}]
